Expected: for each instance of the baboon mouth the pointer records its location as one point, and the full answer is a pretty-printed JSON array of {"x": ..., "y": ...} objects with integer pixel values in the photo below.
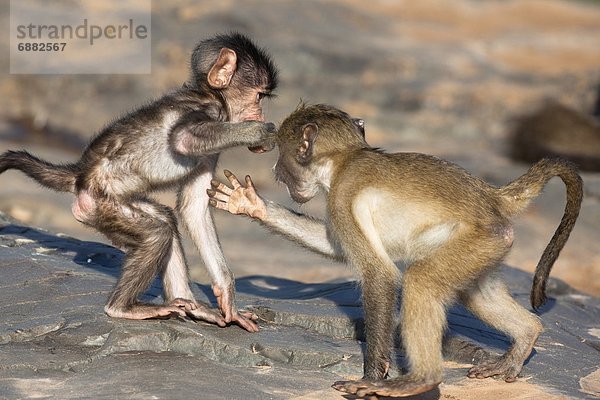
[
  {"x": 257, "y": 149},
  {"x": 298, "y": 198}
]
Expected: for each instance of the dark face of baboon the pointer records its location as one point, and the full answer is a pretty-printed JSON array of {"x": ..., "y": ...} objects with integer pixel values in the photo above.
[{"x": 236, "y": 70}]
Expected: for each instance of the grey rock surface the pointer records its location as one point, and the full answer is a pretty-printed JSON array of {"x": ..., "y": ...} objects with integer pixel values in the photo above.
[{"x": 56, "y": 342}]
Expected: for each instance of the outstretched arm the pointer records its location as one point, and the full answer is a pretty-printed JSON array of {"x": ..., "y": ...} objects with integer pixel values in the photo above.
[
  {"x": 196, "y": 134},
  {"x": 194, "y": 211},
  {"x": 307, "y": 231}
]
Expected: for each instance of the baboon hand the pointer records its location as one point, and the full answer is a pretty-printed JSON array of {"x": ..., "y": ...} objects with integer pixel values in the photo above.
[
  {"x": 263, "y": 134},
  {"x": 269, "y": 130},
  {"x": 226, "y": 303},
  {"x": 258, "y": 130},
  {"x": 239, "y": 199}
]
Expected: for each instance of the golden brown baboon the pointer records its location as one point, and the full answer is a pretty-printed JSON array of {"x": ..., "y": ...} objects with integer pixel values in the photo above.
[{"x": 448, "y": 228}]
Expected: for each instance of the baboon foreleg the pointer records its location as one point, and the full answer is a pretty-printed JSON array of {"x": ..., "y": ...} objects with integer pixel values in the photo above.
[
  {"x": 380, "y": 293},
  {"x": 422, "y": 326},
  {"x": 192, "y": 204},
  {"x": 176, "y": 285},
  {"x": 490, "y": 300}
]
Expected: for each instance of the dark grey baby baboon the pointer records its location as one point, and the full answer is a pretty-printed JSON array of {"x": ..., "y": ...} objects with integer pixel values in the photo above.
[{"x": 171, "y": 143}]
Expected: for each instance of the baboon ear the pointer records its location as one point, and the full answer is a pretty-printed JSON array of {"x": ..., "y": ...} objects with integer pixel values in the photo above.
[
  {"x": 360, "y": 124},
  {"x": 309, "y": 134},
  {"x": 222, "y": 70}
]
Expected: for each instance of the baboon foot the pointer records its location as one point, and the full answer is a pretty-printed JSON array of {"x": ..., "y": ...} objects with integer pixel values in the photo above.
[
  {"x": 402, "y": 386},
  {"x": 499, "y": 366},
  {"x": 199, "y": 311}
]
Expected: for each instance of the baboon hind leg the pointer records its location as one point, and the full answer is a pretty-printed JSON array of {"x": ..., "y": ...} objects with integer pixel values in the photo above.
[
  {"x": 146, "y": 229},
  {"x": 490, "y": 300}
]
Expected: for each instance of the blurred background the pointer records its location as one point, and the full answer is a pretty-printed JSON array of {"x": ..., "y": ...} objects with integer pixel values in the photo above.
[{"x": 491, "y": 85}]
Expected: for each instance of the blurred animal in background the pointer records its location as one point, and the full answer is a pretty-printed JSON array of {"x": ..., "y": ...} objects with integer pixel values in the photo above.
[
  {"x": 449, "y": 229},
  {"x": 171, "y": 143},
  {"x": 555, "y": 130}
]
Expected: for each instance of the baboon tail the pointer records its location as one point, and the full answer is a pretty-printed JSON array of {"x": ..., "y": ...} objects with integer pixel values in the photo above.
[
  {"x": 518, "y": 194},
  {"x": 56, "y": 177}
]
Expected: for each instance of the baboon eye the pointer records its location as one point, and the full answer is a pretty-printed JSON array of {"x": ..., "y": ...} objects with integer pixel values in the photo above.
[{"x": 261, "y": 95}]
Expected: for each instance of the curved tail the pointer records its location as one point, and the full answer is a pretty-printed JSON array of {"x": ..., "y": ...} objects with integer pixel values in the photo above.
[
  {"x": 56, "y": 177},
  {"x": 518, "y": 194}
]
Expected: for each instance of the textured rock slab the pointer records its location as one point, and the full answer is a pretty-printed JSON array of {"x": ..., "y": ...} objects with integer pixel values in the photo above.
[
  {"x": 56, "y": 342},
  {"x": 169, "y": 375}
]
